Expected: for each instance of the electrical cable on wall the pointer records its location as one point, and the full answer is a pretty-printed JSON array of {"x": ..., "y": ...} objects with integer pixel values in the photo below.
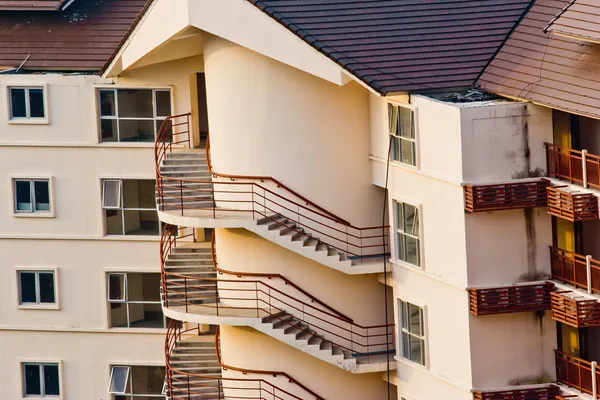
[{"x": 385, "y": 285}]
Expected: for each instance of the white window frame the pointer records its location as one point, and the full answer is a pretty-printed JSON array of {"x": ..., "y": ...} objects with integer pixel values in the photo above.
[
  {"x": 28, "y": 120},
  {"x": 122, "y": 208},
  {"x": 399, "y": 231},
  {"x": 32, "y": 213},
  {"x": 130, "y": 367},
  {"x": 116, "y": 117},
  {"x": 415, "y": 119},
  {"x": 23, "y": 362},
  {"x": 38, "y": 305},
  {"x": 112, "y": 372},
  {"x": 400, "y": 302},
  {"x": 126, "y": 301}
]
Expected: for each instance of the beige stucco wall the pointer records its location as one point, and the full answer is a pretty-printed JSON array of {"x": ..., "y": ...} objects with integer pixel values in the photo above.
[
  {"x": 85, "y": 357},
  {"x": 247, "y": 348},
  {"x": 309, "y": 134},
  {"x": 360, "y": 297}
]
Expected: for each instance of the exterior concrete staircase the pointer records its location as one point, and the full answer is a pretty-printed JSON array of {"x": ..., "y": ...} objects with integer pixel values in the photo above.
[
  {"x": 289, "y": 329},
  {"x": 195, "y": 366},
  {"x": 195, "y": 262},
  {"x": 190, "y": 165}
]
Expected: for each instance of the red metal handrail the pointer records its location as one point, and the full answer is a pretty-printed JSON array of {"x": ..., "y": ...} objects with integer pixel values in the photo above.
[
  {"x": 236, "y": 388},
  {"x": 568, "y": 164},
  {"x": 254, "y": 200},
  {"x": 575, "y": 372},
  {"x": 571, "y": 268},
  {"x": 257, "y": 299}
]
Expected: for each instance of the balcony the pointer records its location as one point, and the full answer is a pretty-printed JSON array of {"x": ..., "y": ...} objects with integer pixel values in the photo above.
[
  {"x": 550, "y": 392},
  {"x": 573, "y": 166},
  {"x": 507, "y": 196},
  {"x": 510, "y": 299},
  {"x": 579, "y": 271},
  {"x": 572, "y": 205},
  {"x": 574, "y": 310},
  {"x": 577, "y": 373}
]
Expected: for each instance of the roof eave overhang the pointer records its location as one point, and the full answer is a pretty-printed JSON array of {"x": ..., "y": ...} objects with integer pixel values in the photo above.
[
  {"x": 595, "y": 40},
  {"x": 237, "y": 21}
]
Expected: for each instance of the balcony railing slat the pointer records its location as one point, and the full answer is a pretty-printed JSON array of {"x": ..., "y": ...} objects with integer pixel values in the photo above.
[
  {"x": 578, "y": 313},
  {"x": 506, "y": 196},
  {"x": 545, "y": 393},
  {"x": 572, "y": 206},
  {"x": 510, "y": 299}
]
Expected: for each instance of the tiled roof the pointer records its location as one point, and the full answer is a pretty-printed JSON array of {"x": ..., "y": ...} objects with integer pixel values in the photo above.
[
  {"x": 579, "y": 19},
  {"x": 83, "y": 37},
  {"x": 548, "y": 69},
  {"x": 47, "y": 5},
  {"x": 403, "y": 45}
]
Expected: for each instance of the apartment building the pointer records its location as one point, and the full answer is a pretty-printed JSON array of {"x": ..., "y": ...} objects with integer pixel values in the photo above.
[{"x": 300, "y": 200}]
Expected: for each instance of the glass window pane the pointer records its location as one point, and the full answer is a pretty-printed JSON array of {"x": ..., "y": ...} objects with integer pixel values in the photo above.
[
  {"x": 401, "y": 246},
  {"x": 47, "y": 294},
  {"x": 151, "y": 291},
  {"x": 416, "y": 350},
  {"x": 113, "y": 220},
  {"x": 145, "y": 315},
  {"x": 405, "y": 345},
  {"x": 51, "y": 385},
  {"x": 163, "y": 103},
  {"x": 135, "y": 103},
  {"x": 408, "y": 152},
  {"x": 23, "y": 195},
  {"x": 18, "y": 108},
  {"x": 108, "y": 130},
  {"x": 411, "y": 220},
  {"x": 116, "y": 287},
  {"x": 141, "y": 223},
  {"x": 147, "y": 194},
  {"x": 111, "y": 194},
  {"x": 108, "y": 106},
  {"x": 36, "y": 103},
  {"x": 406, "y": 123},
  {"x": 136, "y": 130},
  {"x": 393, "y": 119},
  {"x": 118, "y": 380},
  {"x": 147, "y": 380},
  {"x": 411, "y": 251},
  {"x": 118, "y": 315},
  {"x": 33, "y": 386},
  {"x": 27, "y": 287},
  {"x": 42, "y": 195},
  {"x": 415, "y": 321},
  {"x": 400, "y": 216},
  {"x": 396, "y": 149}
]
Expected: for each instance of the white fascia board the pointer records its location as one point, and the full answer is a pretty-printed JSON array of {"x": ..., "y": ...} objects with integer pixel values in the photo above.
[
  {"x": 162, "y": 20},
  {"x": 242, "y": 23}
]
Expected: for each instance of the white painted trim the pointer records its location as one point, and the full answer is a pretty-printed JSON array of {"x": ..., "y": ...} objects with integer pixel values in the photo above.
[
  {"x": 393, "y": 215},
  {"x": 61, "y": 386},
  {"x": 39, "y": 306},
  {"x": 400, "y": 358},
  {"x": 151, "y": 331},
  {"x": 39, "y": 214},
  {"x": 27, "y": 121}
]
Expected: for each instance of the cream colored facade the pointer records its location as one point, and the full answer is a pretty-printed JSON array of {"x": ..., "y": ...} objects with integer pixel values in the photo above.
[{"x": 278, "y": 108}]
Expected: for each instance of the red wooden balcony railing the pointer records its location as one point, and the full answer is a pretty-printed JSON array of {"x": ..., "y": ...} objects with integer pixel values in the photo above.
[
  {"x": 539, "y": 393},
  {"x": 506, "y": 196},
  {"x": 184, "y": 385},
  {"x": 510, "y": 299},
  {"x": 574, "y": 166},
  {"x": 572, "y": 205},
  {"x": 254, "y": 298},
  {"x": 248, "y": 197},
  {"x": 582, "y": 272},
  {"x": 577, "y": 373},
  {"x": 575, "y": 311}
]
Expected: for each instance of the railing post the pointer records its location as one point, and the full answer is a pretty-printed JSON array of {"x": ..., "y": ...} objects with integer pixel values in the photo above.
[
  {"x": 588, "y": 267},
  {"x": 185, "y": 295},
  {"x": 181, "y": 196},
  {"x": 594, "y": 383},
  {"x": 256, "y": 291},
  {"x": 188, "y": 388},
  {"x": 584, "y": 167}
]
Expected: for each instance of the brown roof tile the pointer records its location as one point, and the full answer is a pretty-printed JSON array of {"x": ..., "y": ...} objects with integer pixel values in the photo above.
[
  {"x": 47, "y": 5},
  {"x": 403, "y": 45},
  {"x": 580, "y": 19},
  {"x": 84, "y": 36},
  {"x": 548, "y": 69}
]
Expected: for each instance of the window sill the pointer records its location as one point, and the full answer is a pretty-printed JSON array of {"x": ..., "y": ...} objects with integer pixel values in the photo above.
[
  {"x": 412, "y": 364},
  {"x": 132, "y": 238},
  {"x": 29, "y": 121},
  {"x": 33, "y": 215},
  {"x": 52, "y": 307},
  {"x": 405, "y": 264},
  {"x": 161, "y": 331},
  {"x": 139, "y": 145}
]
